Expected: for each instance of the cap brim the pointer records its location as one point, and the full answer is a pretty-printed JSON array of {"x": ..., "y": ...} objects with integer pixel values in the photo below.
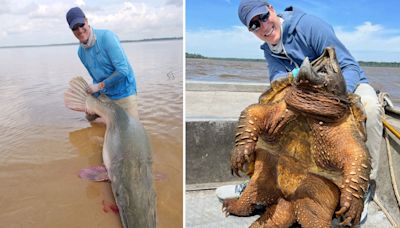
[
  {"x": 80, "y": 20},
  {"x": 256, "y": 11}
]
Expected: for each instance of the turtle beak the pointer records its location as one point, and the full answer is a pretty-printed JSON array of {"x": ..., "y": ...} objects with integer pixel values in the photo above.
[
  {"x": 308, "y": 75},
  {"x": 323, "y": 73}
]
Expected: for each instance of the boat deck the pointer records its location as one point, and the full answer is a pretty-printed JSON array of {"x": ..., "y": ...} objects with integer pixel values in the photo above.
[{"x": 203, "y": 209}]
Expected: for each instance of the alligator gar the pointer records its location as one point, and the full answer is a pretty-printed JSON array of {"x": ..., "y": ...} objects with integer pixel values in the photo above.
[{"x": 126, "y": 155}]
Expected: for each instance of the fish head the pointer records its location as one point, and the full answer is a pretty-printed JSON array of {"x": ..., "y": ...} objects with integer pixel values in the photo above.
[{"x": 323, "y": 73}]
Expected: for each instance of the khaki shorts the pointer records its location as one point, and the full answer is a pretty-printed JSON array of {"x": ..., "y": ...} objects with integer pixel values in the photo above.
[
  {"x": 374, "y": 111},
  {"x": 129, "y": 104}
]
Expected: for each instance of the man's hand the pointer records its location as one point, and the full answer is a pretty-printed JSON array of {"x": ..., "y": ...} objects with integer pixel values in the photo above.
[{"x": 94, "y": 88}]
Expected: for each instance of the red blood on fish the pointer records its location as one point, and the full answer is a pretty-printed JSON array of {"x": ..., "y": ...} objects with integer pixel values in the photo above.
[
  {"x": 107, "y": 206},
  {"x": 114, "y": 208},
  {"x": 160, "y": 176}
]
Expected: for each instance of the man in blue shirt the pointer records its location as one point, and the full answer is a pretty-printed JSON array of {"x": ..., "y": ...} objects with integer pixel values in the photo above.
[
  {"x": 289, "y": 38},
  {"x": 101, "y": 53}
]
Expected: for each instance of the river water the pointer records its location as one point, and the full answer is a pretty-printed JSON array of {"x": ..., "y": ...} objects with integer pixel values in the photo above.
[
  {"x": 43, "y": 145},
  {"x": 385, "y": 79}
]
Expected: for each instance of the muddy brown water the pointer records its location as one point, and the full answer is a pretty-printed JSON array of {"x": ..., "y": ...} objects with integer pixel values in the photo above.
[
  {"x": 385, "y": 79},
  {"x": 43, "y": 145}
]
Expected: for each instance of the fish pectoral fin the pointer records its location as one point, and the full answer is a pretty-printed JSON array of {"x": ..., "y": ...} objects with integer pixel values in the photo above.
[{"x": 96, "y": 173}]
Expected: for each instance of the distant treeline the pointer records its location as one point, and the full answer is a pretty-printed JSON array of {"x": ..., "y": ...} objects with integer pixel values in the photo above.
[
  {"x": 362, "y": 63},
  {"x": 66, "y": 44},
  {"x": 152, "y": 39},
  {"x": 198, "y": 56},
  {"x": 379, "y": 64}
]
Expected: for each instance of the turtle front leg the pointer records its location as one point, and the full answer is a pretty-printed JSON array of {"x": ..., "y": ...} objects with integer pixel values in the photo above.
[
  {"x": 354, "y": 186},
  {"x": 258, "y": 119},
  {"x": 342, "y": 148},
  {"x": 246, "y": 137}
]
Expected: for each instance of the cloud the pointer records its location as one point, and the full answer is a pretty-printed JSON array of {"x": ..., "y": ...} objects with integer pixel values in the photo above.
[
  {"x": 49, "y": 11},
  {"x": 233, "y": 42},
  {"x": 5, "y": 6},
  {"x": 174, "y": 2},
  {"x": 80, "y": 3},
  {"x": 9, "y": 7},
  {"x": 43, "y": 21},
  {"x": 369, "y": 39},
  {"x": 138, "y": 20},
  {"x": 366, "y": 42}
]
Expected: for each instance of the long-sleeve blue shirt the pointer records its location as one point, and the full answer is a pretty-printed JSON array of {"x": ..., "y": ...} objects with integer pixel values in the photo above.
[
  {"x": 106, "y": 62},
  {"x": 304, "y": 35}
]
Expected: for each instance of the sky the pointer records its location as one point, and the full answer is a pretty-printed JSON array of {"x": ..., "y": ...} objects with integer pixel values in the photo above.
[
  {"x": 30, "y": 22},
  {"x": 369, "y": 29}
]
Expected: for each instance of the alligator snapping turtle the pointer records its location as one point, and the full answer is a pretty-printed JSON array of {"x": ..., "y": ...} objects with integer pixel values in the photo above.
[{"x": 303, "y": 145}]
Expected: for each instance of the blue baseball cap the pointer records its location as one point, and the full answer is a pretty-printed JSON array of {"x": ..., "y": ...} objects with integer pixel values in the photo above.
[
  {"x": 75, "y": 16},
  {"x": 251, "y": 8}
]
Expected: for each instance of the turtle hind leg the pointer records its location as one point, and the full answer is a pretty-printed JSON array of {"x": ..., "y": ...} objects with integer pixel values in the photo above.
[
  {"x": 260, "y": 191},
  {"x": 278, "y": 215},
  {"x": 315, "y": 202}
]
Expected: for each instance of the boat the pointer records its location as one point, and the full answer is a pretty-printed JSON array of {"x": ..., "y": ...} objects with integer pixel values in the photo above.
[{"x": 212, "y": 111}]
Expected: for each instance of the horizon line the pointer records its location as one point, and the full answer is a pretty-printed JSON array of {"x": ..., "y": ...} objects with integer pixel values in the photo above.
[
  {"x": 200, "y": 56},
  {"x": 75, "y": 43}
]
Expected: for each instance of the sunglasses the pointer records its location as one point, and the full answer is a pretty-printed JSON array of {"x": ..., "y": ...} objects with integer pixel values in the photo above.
[
  {"x": 79, "y": 25},
  {"x": 255, "y": 25}
]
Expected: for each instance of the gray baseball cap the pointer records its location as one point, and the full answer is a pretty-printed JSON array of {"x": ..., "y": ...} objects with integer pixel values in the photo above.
[
  {"x": 251, "y": 8},
  {"x": 75, "y": 16}
]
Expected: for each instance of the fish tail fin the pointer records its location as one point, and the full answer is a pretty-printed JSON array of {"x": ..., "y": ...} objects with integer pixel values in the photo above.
[{"x": 75, "y": 96}]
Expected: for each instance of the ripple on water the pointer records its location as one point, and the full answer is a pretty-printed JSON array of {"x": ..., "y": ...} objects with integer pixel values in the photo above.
[{"x": 161, "y": 110}]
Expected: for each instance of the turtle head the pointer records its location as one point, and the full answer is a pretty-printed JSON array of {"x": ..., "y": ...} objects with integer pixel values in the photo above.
[{"x": 323, "y": 73}]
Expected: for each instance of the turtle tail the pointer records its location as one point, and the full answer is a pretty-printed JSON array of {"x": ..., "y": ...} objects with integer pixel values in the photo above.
[{"x": 75, "y": 96}]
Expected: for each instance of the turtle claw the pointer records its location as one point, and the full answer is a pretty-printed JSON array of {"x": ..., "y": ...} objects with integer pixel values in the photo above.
[
  {"x": 341, "y": 211},
  {"x": 351, "y": 212},
  {"x": 241, "y": 155},
  {"x": 235, "y": 171},
  {"x": 345, "y": 222},
  {"x": 228, "y": 206},
  {"x": 225, "y": 211}
]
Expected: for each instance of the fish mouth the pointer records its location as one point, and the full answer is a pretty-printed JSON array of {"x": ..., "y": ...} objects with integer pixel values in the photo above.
[
  {"x": 90, "y": 106},
  {"x": 90, "y": 112},
  {"x": 269, "y": 33}
]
